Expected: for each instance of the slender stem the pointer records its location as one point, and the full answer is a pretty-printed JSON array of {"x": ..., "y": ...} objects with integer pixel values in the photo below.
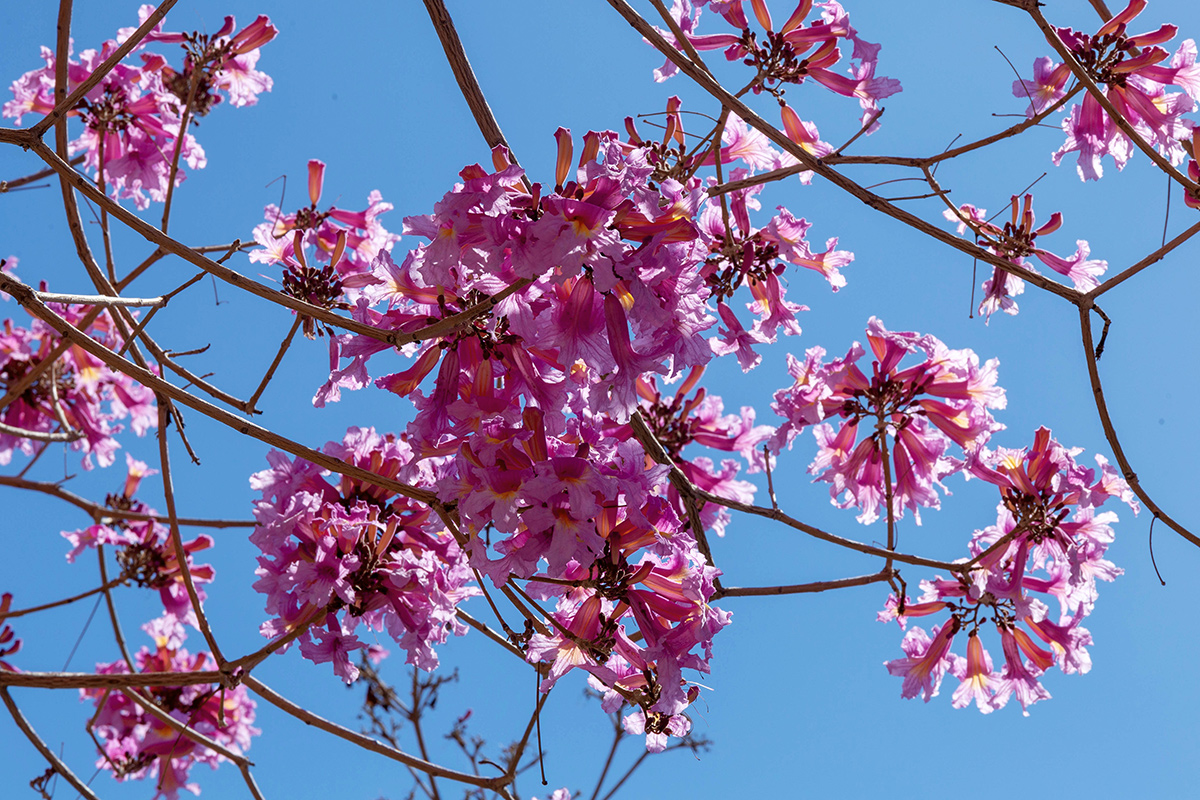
[
  {"x": 101, "y": 513},
  {"x": 191, "y": 733},
  {"x": 41, "y": 436},
  {"x": 366, "y": 742},
  {"x": 488, "y": 632},
  {"x": 88, "y": 680},
  {"x": 47, "y": 753},
  {"x": 16, "y": 183},
  {"x": 181, "y": 554},
  {"x": 415, "y": 719},
  {"x": 262, "y": 387},
  {"x": 193, "y": 83},
  {"x": 118, "y": 634},
  {"x": 252, "y": 660},
  {"x": 618, "y": 735},
  {"x": 802, "y": 588},
  {"x": 1110, "y": 433},
  {"x": 101, "y": 300},
  {"x": 1149, "y": 260},
  {"x": 881, "y": 434},
  {"x": 65, "y": 601}
]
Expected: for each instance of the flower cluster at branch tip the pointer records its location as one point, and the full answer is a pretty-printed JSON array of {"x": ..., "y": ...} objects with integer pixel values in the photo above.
[
  {"x": 138, "y": 745},
  {"x": 76, "y": 398},
  {"x": 1129, "y": 70},
  {"x": 790, "y": 55},
  {"x": 346, "y": 241},
  {"x": 544, "y": 317},
  {"x": 1049, "y": 540},
  {"x": 133, "y": 117},
  {"x": 337, "y": 555},
  {"x": 916, "y": 413},
  {"x": 1014, "y": 242},
  {"x": 146, "y": 551}
]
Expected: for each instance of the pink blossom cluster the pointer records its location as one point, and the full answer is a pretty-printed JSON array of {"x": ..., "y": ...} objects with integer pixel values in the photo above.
[
  {"x": 1049, "y": 541},
  {"x": 78, "y": 395},
  {"x": 792, "y": 54},
  {"x": 741, "y": 254},
  {"x": 1014, "y": 242},
  {"x": 139, "y": 745},
  {"x": 348, "y": 241},
  {"x": 554, "y": 310},
  {"x": 145, "y": 551},
  {"x": 910, "y": 418},
  {"x": 133, "y": 117},
  {"x": 680, "y": 421},
  {"x": 1130, "y": 71},
  {"x": 341, "y": 553}
]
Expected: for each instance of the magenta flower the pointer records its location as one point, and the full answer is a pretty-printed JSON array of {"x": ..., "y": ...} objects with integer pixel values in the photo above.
[
  {"x": 1014, "y": 242},
  {"x": 136, "y": 745},
  {"x": 916, "y": 413},
  {"x": 1130, "y": 71}
]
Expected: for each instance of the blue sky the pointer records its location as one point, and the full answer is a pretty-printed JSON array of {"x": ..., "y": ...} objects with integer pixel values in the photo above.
[{"x": 798, "y": 702}]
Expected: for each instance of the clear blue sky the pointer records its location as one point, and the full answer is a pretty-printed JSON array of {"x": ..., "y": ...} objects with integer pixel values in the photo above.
[{"x": 799, "y": 702}]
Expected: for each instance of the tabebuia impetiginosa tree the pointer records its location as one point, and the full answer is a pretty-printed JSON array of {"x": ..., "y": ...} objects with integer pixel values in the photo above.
[{"x": 544, "y": 467}]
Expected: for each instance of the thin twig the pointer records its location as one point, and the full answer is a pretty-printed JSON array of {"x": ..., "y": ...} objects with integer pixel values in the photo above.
[
  {"x": 181, "y": 554},
  {"x": 118, "y": 634},
  {"x": 47, "y": 753},
  {"x": 251, "y": 404},
  {"x": 1149, "y": 260},
  {"x": 366, "y": 742},
  {"x": 802, "y": 588},
  {"x": 1110, "y": 433},
  {"x": 65, "y": 601},
  {"x": 64, "y": 105}
]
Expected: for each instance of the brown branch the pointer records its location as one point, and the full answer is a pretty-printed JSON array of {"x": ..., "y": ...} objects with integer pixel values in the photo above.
[
  {"x": 100, "y": 513},
  {"x": 62, "y": 106},
  {"x": 68, "y": 435},
  {"x": 818, "y": 166},
  {"x": 1110, "y": 432},
  {"x": 1100, "y": 97},
  {"x": 802, "y": 588},
  {"x": 366, "y": 742},
  {"x": 118, "y": 634},
  {"x": 102, "y": 300},
  {"x": 283, "y": 348},
  {"x": 468, "y": 84},
  {"x": 16, "y": 183},
  {"x": 65, "y": 601},
  {"x": 252, "y": 660},
  {"x": 160, "y": 386},
  {"x": 489, "y": 633},
  {"x": 47, "y": 753},
  {"x": 1149, "y": 260},
  {"x": 116, "y": 680},
  {"x": 187, "y": 731},
  {"x": 181, "y": 555}
]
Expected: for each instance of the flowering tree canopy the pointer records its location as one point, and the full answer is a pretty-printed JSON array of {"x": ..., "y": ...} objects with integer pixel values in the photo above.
[{"x": 505, "y": 421}]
